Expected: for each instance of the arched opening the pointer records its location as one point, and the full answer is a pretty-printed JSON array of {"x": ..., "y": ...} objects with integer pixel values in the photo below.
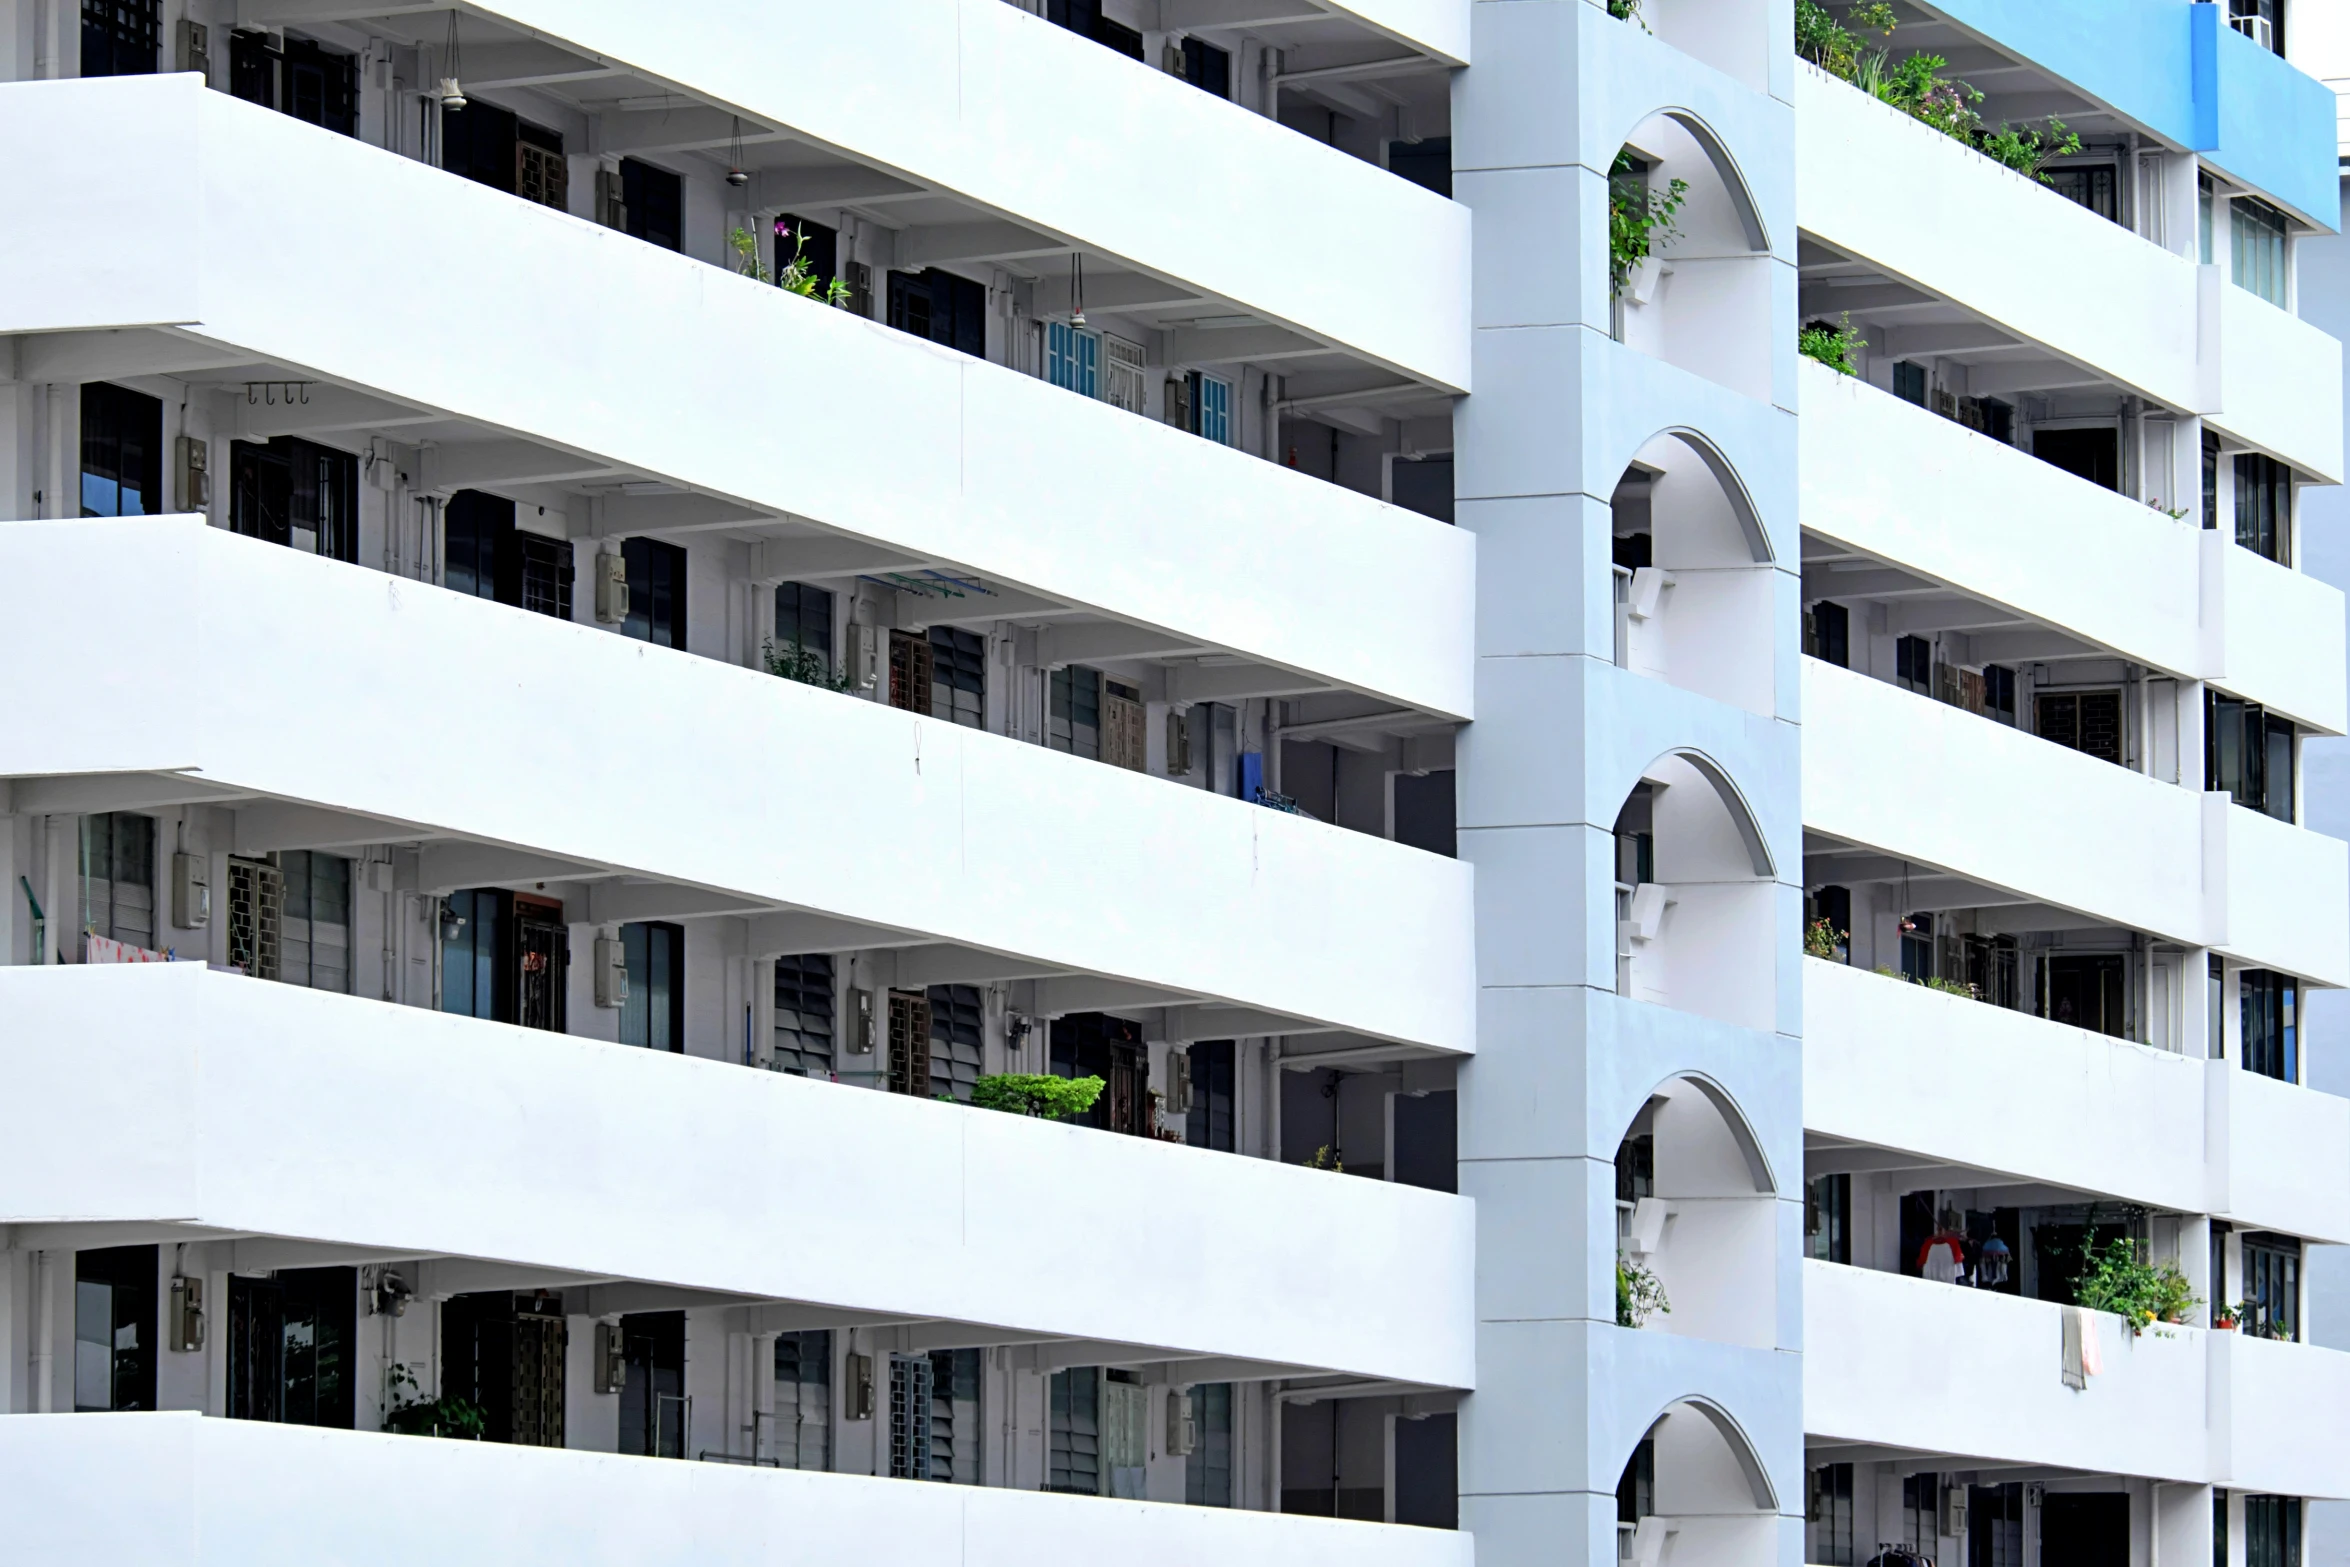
[
  {"x": 1696, "y": 1219},
  {"x": 1696, "y": 290},
  {"x": 1694, "y": 591},
  {"x": 1694, "y": 895},
  {"x": 1694, "y": 1489}
]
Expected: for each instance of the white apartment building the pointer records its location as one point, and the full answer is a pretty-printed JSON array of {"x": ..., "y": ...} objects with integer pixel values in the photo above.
[{"x": 661, "y": 609}]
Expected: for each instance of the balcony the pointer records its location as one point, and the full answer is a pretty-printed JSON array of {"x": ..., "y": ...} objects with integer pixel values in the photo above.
[
  {"x": 198, "y": 1097},
  {"x": 213, "y": 1493},
  {"x": 2042, "y": 824},
  {"x": 877, "y": 453},
  {"x": 2270, "y": 380},
  {"x": 1984, "y": 1089},
  {"x": 807, "y": 814},
  {"x": 1935, "y": 1369}
]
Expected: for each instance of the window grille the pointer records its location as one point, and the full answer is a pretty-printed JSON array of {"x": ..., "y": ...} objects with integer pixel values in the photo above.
[
  {"x": 256, "y": 905},
  {"x": 910, "y": 1379},
  {"x": 1123, "y": 374},
  {"x": 909, "y": 1043}
]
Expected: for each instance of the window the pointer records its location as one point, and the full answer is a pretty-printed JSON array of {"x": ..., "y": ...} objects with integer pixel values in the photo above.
[
  {"x": 296, "y": 77},
  {"x": 652, "y": 1398},
  {"x": 2262, "y": 21},
  {"x": 256, "y": 917},
  {"x": 1995, "y": 1527},
  {"x": 958, "y": 676},
  {"x": 1426, "y": 163},
  {"x": 2217, "y": 1023},
  {"x": 1913, "y": 665},
  {"x": 2091, "y": 185},
  {"x": 291, "y": 1347},
  {"x": 1425, "y": 811},
  {"x": 1999, "y": 693},
  {"x": 485, "y": 555},
  {"x": 1917, "y": 947},
  {"x": 314, "y": 924},
  {"x": 911, "y": 678},
  {"x": 122, "y": 452},
  {"x": 504, "y": 956},
  {"x": 1092, "y": 1044},
  {"x": 1209, "y": 1123},
  {"x": 1827, "y": 1218},
  {"x": 1834, "y": 904},
  {"x": 910, "y": 1381},
  {"x": 2085, "y": 991},
  {"x": 490, "y": 146},
  {"x": 295, "y": 493},
  {"x": 1909, "y": 382},
  {"x": 2272, "y": 1285},
  {"x": 1827, "y": 634},
  {"x": 504, "y": 1352},
  {"x": 1074, "y": 1447},
  {"x": 954, "y": 1417},
  {"x": 1209, "y": 68},
  {"x": 1829, "y": 1516},
  {"x": 2219, "y": 1524},
  {"x": 803, "y": 620},
  {"x": 801, "y": 1436},
  {"x": 1207, "y": 1472},
  {"x": 121, "y": 37},
  {"x": 804, "y": 1003},
  {"x": 1919, "y": 1495},
  {"x": 114, "y": 1328},
  {"x": 2249, "y": 755},
  {"x": 1424, "y": 485},
  {"x": 1211, "y": 403},
  {"x": 471, "y": 927},
  {"x": 815, "y": 245},
  {"x": 2089, "y": 722},
  {"x": 2258, "y": 230},
  {"x": 2272, "y": 1526},
  {"x": 2271, "y": 1002},
  {"x": 1072, "y": 358},
  {"x": 907, "y": 1065},
  {"x": 2205, "y": 196},
  {"x": 942, "y": 308},
  {"x": 2094, "y": 455},
  {"x": 656, "y": 592},
  {"x": 1073, "y": 723},
  {"x": 118, "y": 877},
  {"x": 654, "y": 1014},
  {"x": 956, "y": 1033},
  {"x": 2210, "y": 480},
  {"x": 655, "y": 199},
  {"x": 1085, "y": 17},
  {"x": 2264, "y": 507},
  {"x": 1122, "y": 374},
  {"x": 1635, "y": 1178}
]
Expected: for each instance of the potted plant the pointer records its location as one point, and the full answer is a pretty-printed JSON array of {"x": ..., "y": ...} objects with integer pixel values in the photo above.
[{"x": 1639, "y": 1294}]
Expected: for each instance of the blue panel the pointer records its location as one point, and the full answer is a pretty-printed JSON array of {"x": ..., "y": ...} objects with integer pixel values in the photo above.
[{"x": 2175, "y": 67}]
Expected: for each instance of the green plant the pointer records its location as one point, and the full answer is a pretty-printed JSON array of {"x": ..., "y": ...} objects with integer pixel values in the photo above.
[
  {"x": 1639, "y": 1294},
  {"x": 801, "y": 663},
  {"x": 407, "y": 1415},
  {"x": 2026, "y": 151},
  {"x": 2119, "y": 1279},
  {"x": 1639, "y": 218},
  {"x": 1821, "y": 939},
  {"x": 1325, "y": 1158},
  {"x": 800, "y": 278},
  {"x": 745, "y": 246},
  {"x": 1629, "y": 11},
  {"x": 1831, "y": 345},
  {"x": 1037, "y": 1094},
  {"x": 1832, "y": 45}
]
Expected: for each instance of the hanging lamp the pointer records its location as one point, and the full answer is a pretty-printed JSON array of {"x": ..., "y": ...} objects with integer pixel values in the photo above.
[
  {"x": 452, "y": 91},
  {"x": 736, "y": 174},
  {"x": 1077, "y": 287}
]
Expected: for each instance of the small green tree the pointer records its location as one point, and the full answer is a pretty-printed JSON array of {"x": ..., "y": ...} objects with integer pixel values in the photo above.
[
  {"x": 1037, "y": 1094},
  {"x": 1832, "y": 346}
]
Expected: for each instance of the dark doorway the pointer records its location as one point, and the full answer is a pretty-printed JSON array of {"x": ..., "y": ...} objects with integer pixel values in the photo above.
[
  {"x": 1425, "y": 811},
  {"x": 1209, "y": 1123},
  {"x": 2085, "y": 1529},
  {"x": 656, "y": 204},
  {"x": 1093, "y": 1044},
  {"x": 656, "y": 592},
  {"x": 2094, "y": 455},
  {"x": 1995, "y": 1527},
  {"x": 122, "y": 452},
  {"x": 941, "y": 307},
  {"x": 652, "y": 1399},
  {"x": 1422, "y": 484},
  {"x": 296, "y": 493},
  {"x": 504, "y": 957},
  {"x": 653, "y": 1016},
  {"x": 2060, "y": 1256},
  {"x": 1427, "y": 1143},
  {"x": 2086, "y": 721},
  {"x": 114, "y": 1328},
  {"x": 505, "y": 1352},
  {"x": 291, "y": 1347},
  {"x": 1427, "y": 1473},
  {"x": 2086, "y": 991},
  {"x": 486, "y": 556}
]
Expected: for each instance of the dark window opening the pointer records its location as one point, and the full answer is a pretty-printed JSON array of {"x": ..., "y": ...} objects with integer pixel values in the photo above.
[
  {"x": 1422, "y": 484},
  {"x": 2089, "y": 722},
  {"x": 2210, "y": 478},
  {"x": 1913, "y": 665},
  {"x": 122, "y": 452},
  {"x": 1827, "y": 1218},
  {"x": 114, "y": 1328},
  {"x": 1426, "y": 1151},
  {"x": 2094, "y": 455},
  {"x": 653, "y": 1016},
  {"x": 316, "y": 85},
  {"x": 1995, "y": 1529},
  {"x": 652, "y": 1397},
  {"x": 504, "y": 956},
  {"x": 121, "y": 37},
  {"x": 804, "y": 1015},
  {"x": 1827, "y": 634},
  {"x": 2272, "y": 1526},
  {"x": 1207, "y": 1472},
  {"x": 2248, "y": 755},
  {"x": 1085, "y": 17},
  {"x": 1909, "y": 382},
  {"x": 803, "y": 622},
  {"x": 958, "y": 676},
  {"x": 1425, "y": 811},
  {"x": 1636, "y": 1168},
  {"x": 1834, "y": 905},
  {"x": 1209, "y": 1123},
  {"x": 2271, "y": 1040},
  {"x": 117, "y": 872},
  {"x": 296, "y": 493},
  {"x": 1426, "y": 162},
  {"x": 655, "y": 199},
  {"x": 941, "y": 308},
  {"x": 2264, "y": 507},
  {"x": 2091, "y": 185},
  {"x": 1828, "y": 1515},
  {"x": 1636, "y": 1489},
  {"x": 1917, "y": 947},
  {"x": 1632, "y": 551},
  {"x": 1207, "y": 67},
  {"x": 485, "y": 555},
  {"x": 656, "y": 592},
  {"x": 2086, "y": 992},
  {"x": 504, "y": 1353},
  {"x": 1427, "y": 1471},
  {"x": 1093, "y": 1044},
  {"x": 815, "y": 245},
  {"x": 292, "y": 1347}
]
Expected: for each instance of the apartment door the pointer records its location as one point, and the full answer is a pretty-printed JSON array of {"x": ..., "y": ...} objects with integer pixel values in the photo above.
[
  {"x": 2084, "y": 1529},
  {"x": 2086, "y": 721},
  {"x": 114, "y": 1328},
  {"x": 505, "y": 1353},
  {"x": 2085, "y": 990},
  {"x": 1091, "y": 1044},
  {"x": 291, "y": 1345},
  {"x": 2094, "y": 455},
  {"x": 486, "y": 556},
  {"x": 505, "y": 957},
  {"x": 652, "y": 1399}
]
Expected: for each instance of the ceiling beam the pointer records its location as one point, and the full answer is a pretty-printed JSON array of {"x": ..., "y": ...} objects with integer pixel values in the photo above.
[
  {"x": 2030, "y": 375},
  {"x": 103, "y": 356},
  {"x": 1113, "y": 291},
  {"x": 500, "y": 463},
  {"x": 987, "y": 240},
  {"x": 1236, "y": 682},
  {"x": 616, "y": 514},
  {"x": 837, "y": 185},
  {"x": 316, "y": 410},
  {"x": 268, "y": 826},
  {"x": 794, "y": 932},
  {"x": 530, "y": 62},
  {"x": 831, "y": 555},
  {"x": 921, "y": 967},
  {"x": 450, "y": 867},
  {"x": 1107, "y": 642},
  {"x": 1917, "y": 616},
  {"x": 85, "y": 794},
  {"x": 621, "y": 903},
  {"x": 1227, "y": 345},
  {"x": 1213, "y": 1020},
  {"x": 1088, "y": 993},
  {"x": 689, "y": 126}
]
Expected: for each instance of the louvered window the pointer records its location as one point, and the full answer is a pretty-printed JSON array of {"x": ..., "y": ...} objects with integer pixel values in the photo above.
[
  {"x": 1074, "y": 1448},
  {"x": 958, "y": 677},
  {"x": 2258, "y": 230},
  {"x": 804, "y": 1003},
  {"x": 1074, "y": 723},
  {"x": 314, "y": 932},
  {"x": 118, "y": 877},
  {"x": 954, "y": 1416},
  {"x": 1072, "y": 358},
  {"x": 955, "y": 1036},
  {"x": 802, "y": 1432},
  {"x": 909, "y": 1043},
  {"x": 256, "y": 907}
]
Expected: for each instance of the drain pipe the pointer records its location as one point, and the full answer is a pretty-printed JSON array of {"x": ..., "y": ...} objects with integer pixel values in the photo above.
[{"x": 44, "y": 1336}]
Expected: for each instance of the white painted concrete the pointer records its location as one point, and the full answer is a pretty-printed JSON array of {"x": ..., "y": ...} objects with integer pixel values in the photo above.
[
  {"x": 1024, "y": 484},
  {"x": 1943, "y": 1369},
  {"x": 2279, "y": 636},
  {"x": 969, "y": 95},
  {"x": 1878, "y": 184},
  {"x": 542, "y": 1158},
  {"x": 1896, "y": 1065},
  {"x": 2279, "y": 380},
  {"x": 338, "y": 696},
  {"x": 109, "y": 1490}
]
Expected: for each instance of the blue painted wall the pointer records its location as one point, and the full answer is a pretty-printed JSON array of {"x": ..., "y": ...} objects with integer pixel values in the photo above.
[{"x": 2175, "y": 68}]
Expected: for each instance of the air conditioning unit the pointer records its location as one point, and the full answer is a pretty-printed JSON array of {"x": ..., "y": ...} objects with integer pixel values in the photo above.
[
  {"x": 1178, "y": 1081},
  {"x": 611, "y": 588},
  {"x": 1178, "y": 743},
  {"x": 195, "y": 52},
  {"x": 187, "y": 1315},
  {"x": 194, "y": 463},
  {"x": 1182, "y": 1429},
  {"x": 611, "y": 972},
  {"x": 2255, "y": 27},
  {"x": 191, "y": 891},
  {"x": 611, "y": 1358},
  {"x": 860, "y": 1022}
]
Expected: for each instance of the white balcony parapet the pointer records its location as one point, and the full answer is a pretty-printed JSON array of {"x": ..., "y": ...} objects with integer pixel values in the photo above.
[
  {"x": 636, "y": 359},
  {"x": 1883, "y": 1059},
  {"x": 1935, "y": 1368},
  {"x": 1045, "y": 126},
  {"x": 1881, "y": 765},
  {"x": 499, "y": 1157},
  {"x": 731, "y": 779},
  {"x": 1877, "y": 184},
  {"x": 200, "y": 1492},
  {"x": 2270, "y": 379}
]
